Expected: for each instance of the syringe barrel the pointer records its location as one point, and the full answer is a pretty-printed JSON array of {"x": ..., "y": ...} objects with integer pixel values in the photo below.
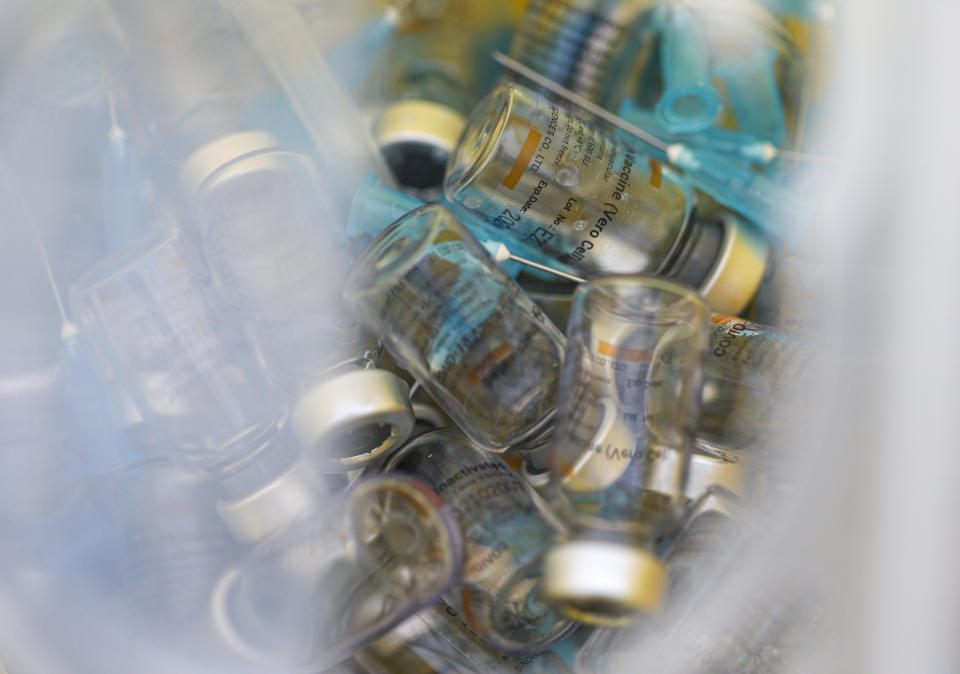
[
  {"x": 689, "y": 102},
  {"x": 753, "y": 93}
]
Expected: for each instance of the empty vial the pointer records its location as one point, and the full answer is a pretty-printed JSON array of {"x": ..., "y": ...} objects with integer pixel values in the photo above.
[
  {"x": 449, "y": 315},
  {"x": 750, "y": 375},
  {"x": 619, "y": 456},
  {"x": 262, "y": 225},
  {"x": 556, "y": 182},
  {"x": 340, "y": 576},
  {"x": 505, "y": 534},
  {"x": 429, "y": 92},
  {"x": 157, "y": 325},
  {"x": 700, "y": 556}
]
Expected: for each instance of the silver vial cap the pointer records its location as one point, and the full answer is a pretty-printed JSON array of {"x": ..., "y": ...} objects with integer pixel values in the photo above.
[
  {"x": 273, "y": 507},
  {"x": 352, "y": 418}
]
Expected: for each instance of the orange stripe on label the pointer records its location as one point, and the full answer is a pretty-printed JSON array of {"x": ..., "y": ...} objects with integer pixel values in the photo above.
[
  {"x": 620, "y": 353},
  {"x": 724, "y": 318},
  {"x": 491, "y": 359},
  {"x": 656, "y": 172},
  {"x": 523, "y": 159}
]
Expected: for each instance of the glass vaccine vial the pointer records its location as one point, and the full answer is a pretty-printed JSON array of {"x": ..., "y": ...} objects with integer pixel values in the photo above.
[
  {"x": 556, "y": 182},
  {"x": 627, "y": 410},
  {"x": 158, "y": 326},
  {"x": 439, "y": 67},
  {"x": 505, "y": 534},
  {"x": 260, "y": 215},
  {"x": 701, "y": 554},
  {"x": 750, "y": 374},
  {"x": 724, "y": 259},
  {"x": 340, "y": 576},
  {"x": 453, "y": 318},
  {"x": 429, "y": 93}
]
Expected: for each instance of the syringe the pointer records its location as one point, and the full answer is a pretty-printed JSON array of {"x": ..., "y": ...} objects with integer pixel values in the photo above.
[
  {"x": 122, "y": 191},
  {"x": 714, "y": 138},
  {"x": 94, "y": 413},
  {"x": 774, "y": 207},
  {"x": 502, "y": 254},
  {"x": 375, "y": 207}
]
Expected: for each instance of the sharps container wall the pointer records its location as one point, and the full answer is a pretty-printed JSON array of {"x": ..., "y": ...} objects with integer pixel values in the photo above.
[
  {"x": 263, "y": 224},
  {"x": 619, "y": 456},
  {"x": 451, "y": 316},
  {"x": 552, "y": 180},
  {"x": 158, "y": 326},
  {"x": 151, "y": 311},
  {"x": 500, "y": 590},
  {"x": 341, "y": 576}
]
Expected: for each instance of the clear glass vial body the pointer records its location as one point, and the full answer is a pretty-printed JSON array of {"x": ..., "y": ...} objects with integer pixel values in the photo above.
[
  {"x": 750, "y": 373},
  {"x": 556, "y": 182},
  {"x": 340, "y": 576},
  {"x": 452, "y": 317},
  {"x": 505, "y": 535},
  {"x": 627, "y": 410},
  {"x": 154, "y": 317},
  {"x": 260, "y": 217}
]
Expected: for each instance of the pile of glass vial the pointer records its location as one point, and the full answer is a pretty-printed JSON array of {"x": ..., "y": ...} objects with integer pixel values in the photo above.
[{"x": 413, "y": 336}]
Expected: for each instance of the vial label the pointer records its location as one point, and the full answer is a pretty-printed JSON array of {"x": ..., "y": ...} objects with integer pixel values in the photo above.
[
  {"x": 545, "y": 206},
  {"x": 749, "y": 371},
  {"x": 737, "y": 342},
  {"x": 504, "y": 535},
  {"x": 495, "y": 509},
  {"x": 573, "y": 193}
]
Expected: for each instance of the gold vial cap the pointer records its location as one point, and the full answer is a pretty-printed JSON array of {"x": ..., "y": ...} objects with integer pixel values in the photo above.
[{"x": 603, "y": 582}]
